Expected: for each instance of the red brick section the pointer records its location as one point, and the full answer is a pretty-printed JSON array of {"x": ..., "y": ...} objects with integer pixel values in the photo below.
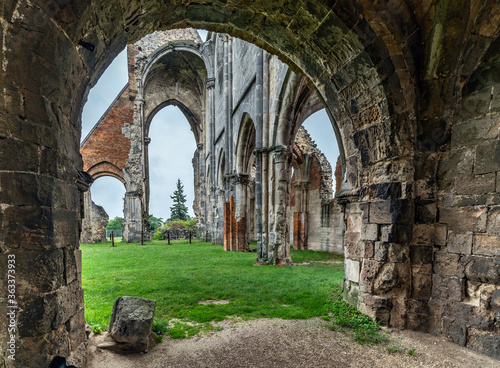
[
  {"x": 106, "y": 150},
  {"x": 315, "y": 175},
  {"x": 338, "y": 175},
  {"x": 300, "y": 225},
  {"x": 235, "y": 234},
  {"x": 241, "y": 235}
]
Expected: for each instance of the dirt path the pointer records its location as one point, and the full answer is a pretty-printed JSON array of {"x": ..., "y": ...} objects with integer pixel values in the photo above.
[{"x": 270, "y": 343}]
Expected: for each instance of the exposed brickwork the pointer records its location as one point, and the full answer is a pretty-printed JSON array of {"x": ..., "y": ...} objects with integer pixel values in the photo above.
[
  {"x": 338, "y": 175},
  {"x": 106, "y": 150},
  {"x": 235, "y": 232}
]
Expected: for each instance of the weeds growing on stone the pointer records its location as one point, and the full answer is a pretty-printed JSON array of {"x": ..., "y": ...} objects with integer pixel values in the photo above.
[{"x": 366, "y": 331}]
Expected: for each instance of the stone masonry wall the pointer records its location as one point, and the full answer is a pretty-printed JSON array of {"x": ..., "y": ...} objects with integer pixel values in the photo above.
[
  {"x": 94, "y": 222},
  {"x": 318, "y": 226},
  {"x": 412, "y": 91}
]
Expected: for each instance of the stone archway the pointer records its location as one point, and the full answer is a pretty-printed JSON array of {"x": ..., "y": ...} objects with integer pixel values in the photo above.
[{"x": 390, "y": 76}]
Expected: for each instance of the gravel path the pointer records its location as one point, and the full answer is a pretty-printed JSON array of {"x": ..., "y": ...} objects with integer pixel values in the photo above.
[{"x": 270, "y": 343}]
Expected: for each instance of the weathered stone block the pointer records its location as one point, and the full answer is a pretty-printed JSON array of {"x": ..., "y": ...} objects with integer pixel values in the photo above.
[
  {"x": 464, "y": 219},
  {"x": 474, "y": 131},
  {"x": 479, "y": 184},
  {"x": 389, "y": 211},
  {"x": 354, "y": 223},
  {"x": 49, "y": 275},
  {"x": 369, "y": 250},
  {"x": 423, "y": 234},
  {"x": 486, "y": 244},
  {"x": 377, "y": 307},
  {"x": 421, "y": 254},
  {"x": 394, "y": 233},
  {"x": 425, "y": 212},
  {"x": 369, "y": 232},
  {"x": 391, "y": 276},
  {"x": 487, "y": 157},
  {"x": 421, "y": 286},
  {"x": 353, "y": 246},
  {"x": 486, "y": 342},
  {"x": 495, "y": 300},
  {"x": 483, "y": 269},
  {"x": 78, "y": 260},
  {"x": 486, "y": 293},
  {"x": 459, "y": 242},
  {"x": 369, "y": 270},
  {"x": 440, "y": 234},
  {"x": 456, "y": 330},
  {"x": 380, "y": 251},
  {"x": 493, "y": 223},
  {"x": 398, "y": 253},
  {"x": 76, "y": 329},
  {"x": 352, "y": 270},
  {"x": 447, "y": 289},
  {"x": 425, "y": 189},
  {"x": 418, "y": 315},
  {"x": 459, "y": 162},
  {"x": 132, "y": 319},
  {"x": 448, "y": 264}
]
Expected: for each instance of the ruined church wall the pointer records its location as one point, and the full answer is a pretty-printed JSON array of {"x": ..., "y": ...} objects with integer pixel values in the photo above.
[{"x": 465, "y": 277}]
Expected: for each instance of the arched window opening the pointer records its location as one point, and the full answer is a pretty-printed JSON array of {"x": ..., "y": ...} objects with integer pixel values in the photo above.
[{"x": 316, "y": 221}]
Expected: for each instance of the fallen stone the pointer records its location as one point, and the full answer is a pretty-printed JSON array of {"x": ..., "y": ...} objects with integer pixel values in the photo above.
[{"x": 130, "y": 324}]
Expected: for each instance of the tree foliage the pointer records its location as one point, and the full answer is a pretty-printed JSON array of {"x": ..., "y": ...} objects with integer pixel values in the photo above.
[
  {"x": 179, "y": 210},
  {"x": 115, "y": 224},
  {"x": 155, "y": 222}
]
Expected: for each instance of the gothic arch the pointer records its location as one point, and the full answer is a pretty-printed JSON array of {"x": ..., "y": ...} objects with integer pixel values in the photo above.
[{"x": 386, "y": 74}]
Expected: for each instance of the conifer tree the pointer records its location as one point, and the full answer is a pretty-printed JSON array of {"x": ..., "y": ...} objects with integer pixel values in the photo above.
[{"x": 179, "y": 211}]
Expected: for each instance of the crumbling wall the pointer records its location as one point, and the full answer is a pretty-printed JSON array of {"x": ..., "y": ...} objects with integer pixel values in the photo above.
[
  {"x": 317, "y": 222},
  {"x": 94, "y": 222}
]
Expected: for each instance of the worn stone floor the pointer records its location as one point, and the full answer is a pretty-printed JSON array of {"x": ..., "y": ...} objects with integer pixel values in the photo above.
[{"x": 290, "y": 343}]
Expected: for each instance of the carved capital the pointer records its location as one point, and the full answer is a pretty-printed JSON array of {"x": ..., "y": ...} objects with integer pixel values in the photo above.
[
  {"x": 147, "y": 140},
  {"x": 210, "y": 83},
  {"x": 242, "y": 178},
  {"x": 83, "y": 181}
]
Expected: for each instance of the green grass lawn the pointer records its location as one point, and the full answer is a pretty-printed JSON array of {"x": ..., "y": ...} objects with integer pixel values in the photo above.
[{"x": 180, "y": 275}]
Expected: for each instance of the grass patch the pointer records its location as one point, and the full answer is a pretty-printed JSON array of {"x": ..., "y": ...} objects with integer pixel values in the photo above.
[
  {"x": 362, "y": 328},
  {"x": 180, "y": 275},
  {"x": 366, "y": 331}
]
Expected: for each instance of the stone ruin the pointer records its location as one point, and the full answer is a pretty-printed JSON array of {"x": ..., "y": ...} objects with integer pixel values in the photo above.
[
  {"x": 94, "y": 222},
  {"x": 317, "y": 222},
  {"x": 412, "y": 91}
]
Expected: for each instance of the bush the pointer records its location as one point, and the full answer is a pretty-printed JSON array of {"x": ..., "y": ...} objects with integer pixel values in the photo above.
[{"x": 158, "y": 235}]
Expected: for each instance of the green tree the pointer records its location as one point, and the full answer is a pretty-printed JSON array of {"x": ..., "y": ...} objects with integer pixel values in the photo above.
[
  {"x": 115, "y": 224},
  {"x": 179, "y": 211},
  {"x": 155, "y": 222}
]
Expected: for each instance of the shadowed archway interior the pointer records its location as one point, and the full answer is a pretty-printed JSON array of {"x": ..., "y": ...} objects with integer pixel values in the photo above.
[{"x": 421, "y": 152}]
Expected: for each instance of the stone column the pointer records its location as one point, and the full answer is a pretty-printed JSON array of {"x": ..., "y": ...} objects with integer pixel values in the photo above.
[
  {"x": 300, "y": 217},
  {"x": 86, "y": 234},
  {"x": 211, "y": 202},
  {"x": 279, "y": 239},
  {"x": 241, "y": 209},
  {"x": 132, "y": 221},
  {"x": 377, "y": 256}
]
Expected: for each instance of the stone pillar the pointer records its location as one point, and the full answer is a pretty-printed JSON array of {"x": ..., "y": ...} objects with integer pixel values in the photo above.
[
  {"x": 377, "y": 256},
  {"x": 132, "y": 221},
  {"x": 86, "y": 233},
  {"x": 94, "y": 221},
  {"x": 241, "y": 212},
  {"x": 279, "y": 239},
  {"x": 300, "y": 217}
]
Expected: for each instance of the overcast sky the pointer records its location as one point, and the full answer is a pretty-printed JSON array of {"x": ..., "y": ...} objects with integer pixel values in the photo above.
[{"x": 172, "y": 146}]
